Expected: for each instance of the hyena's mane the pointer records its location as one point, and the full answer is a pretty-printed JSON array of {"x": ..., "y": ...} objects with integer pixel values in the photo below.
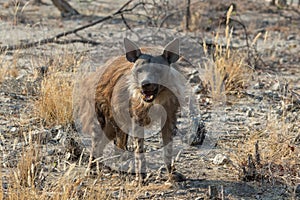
[{"x": 112, "y": 74}]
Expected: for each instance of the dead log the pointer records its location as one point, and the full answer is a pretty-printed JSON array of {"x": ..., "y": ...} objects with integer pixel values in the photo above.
[
  {"x": 187, "y": 14},
  {"x": 66, "y": 10}
]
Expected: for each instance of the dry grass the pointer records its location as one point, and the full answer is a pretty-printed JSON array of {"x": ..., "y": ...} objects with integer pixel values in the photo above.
[
  {"x": 31, "y": 180},
  {"x": 23, "y": 180},
  {"x": 8, "y": 66},
  {"x": 278, "y": 153},
  {"x": 227, "y": 72},
  {"x": 54, "y": 104}
]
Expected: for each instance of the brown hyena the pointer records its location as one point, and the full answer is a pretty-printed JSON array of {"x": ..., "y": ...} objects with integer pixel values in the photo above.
[{"x": 126, "y": 90}]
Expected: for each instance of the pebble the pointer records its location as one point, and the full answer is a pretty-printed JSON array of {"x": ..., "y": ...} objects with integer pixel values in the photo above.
[
  {"x": 250, "y": 113},
  {"x": 258, "y": 85},
  {"x": 51, "y": 152},
  {"x": 115, "y": 194},
  {"x": 220, "y": 159},
  {"x": 195, "y": 79},
  {"x": 13, "y": 129},
  {"x": 276, "y": 86},
  {"x": 147, "y": 194},
  {"x": 181, "y": 192},
  {"x": 291, "y": 37}
]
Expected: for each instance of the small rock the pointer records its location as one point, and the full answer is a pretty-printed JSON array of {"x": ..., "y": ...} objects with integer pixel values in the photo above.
[
  {"x": 181, "y": 192},
  {"x": 58, "y": 135},
  {"x": 147, "y": 194},
  {"x": 220, "y": 159},
  {"x": 291, "y": 37},
  {"x": 245, "y": 109},
  {"x": 115, "y": 194},
  {"x": 250, "y": 113},
  {"x": 259, "y": 98},
  {"x": 13, "y": 129},
  {"x": 297, "y": 139},
  {"x": 195, "y": 79},
  {"x": 276, "y": 86},
  {"x": 51, "y": 152},
  {"x": 258, "y": 85},
  {"x": 198, "y": 89}
]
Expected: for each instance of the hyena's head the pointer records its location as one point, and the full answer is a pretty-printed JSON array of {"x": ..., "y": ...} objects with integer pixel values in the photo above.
[{"x": 149, "y": 71}]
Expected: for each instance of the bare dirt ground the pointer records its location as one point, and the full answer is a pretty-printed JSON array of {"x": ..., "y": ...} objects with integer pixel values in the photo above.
[{"x": 267, "y": 105}]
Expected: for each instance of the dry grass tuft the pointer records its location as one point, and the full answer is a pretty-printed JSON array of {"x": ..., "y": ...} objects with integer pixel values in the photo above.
[
  {"x": 23, "y": 181},
  {"x": 8, "y": 67},
  {"x": 228, "y": 71},
  {"x": 54, "y": 104},
  {"x": 70, "y": 183},
  {"x": 279, "y": 155}
]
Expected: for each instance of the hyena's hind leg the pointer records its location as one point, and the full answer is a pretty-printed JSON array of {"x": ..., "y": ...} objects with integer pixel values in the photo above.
[
  {"x": 102, "y": 134},
  {"x": 121, "y": 139},
  {"x": 99, "y": 141}
]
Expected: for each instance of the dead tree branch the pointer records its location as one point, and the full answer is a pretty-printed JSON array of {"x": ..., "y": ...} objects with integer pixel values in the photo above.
[
  {"x": 65, "y": 8},
  {"x": 187, "y": 14},
  {"x": 55, "y": 39}
]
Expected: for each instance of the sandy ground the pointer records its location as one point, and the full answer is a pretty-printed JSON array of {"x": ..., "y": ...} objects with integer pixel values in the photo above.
[{"x": 227, "y": 123}]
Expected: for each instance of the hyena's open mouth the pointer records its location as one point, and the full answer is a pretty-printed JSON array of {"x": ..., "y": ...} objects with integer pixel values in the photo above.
[{"x": 149, "y": 92}]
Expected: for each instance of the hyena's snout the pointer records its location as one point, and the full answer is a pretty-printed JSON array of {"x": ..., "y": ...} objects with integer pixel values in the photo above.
[{"x": 149, "y": 90}]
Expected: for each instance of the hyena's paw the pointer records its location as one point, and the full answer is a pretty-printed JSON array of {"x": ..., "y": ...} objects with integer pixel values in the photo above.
[
  {"x": 176, "y": 177},
  {"x": 93, "y": 169}
]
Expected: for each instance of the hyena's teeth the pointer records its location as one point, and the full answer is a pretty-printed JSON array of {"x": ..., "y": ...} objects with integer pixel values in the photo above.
[{"x": 148, "y": 97}]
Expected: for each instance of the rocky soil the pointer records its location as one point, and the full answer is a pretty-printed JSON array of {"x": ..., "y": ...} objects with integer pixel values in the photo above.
[{"x": 272, "y": 93}]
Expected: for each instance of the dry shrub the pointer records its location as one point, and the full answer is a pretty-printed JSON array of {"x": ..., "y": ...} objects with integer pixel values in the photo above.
[
  {"x": 8, "y": 67},
  {"x": 72, "y": 184},
  {"x": 54, "y": 104},
  {"x": 228, "y": 71},
  {"x": 24, "y": 180},
  {"x": 279, "y": 155}
]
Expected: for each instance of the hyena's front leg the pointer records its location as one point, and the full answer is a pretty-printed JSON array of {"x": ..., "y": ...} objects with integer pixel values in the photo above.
[
  {"x": 99, "y": 141},
  {"x": 140, "y": 160},
  {"x": 167, "y": 137}
]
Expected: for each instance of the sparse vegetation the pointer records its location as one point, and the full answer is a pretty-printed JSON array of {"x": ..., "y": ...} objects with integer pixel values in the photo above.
[
  {"x": 261, "y": 123},
  {"x": 8, "y": 67},
  {"x": 227, "y": 72},
  {"x": 276, "y": 157},
  {"x": 54, "y": 104}
]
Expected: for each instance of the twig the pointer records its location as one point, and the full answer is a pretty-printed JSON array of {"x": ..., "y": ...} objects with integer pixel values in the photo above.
[
  {"x": 55, "y": 38},
  {"x": 125, "y": 22},
  {"x": 257, "y": 155},
  {"x": 187, "y": 14},
  {"x": 76, "y": 41}
]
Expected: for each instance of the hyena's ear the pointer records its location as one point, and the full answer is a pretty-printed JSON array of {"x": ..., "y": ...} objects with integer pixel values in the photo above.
[
  {"x": 133, "y": 52},
  {"x": 171, "y": 51}
]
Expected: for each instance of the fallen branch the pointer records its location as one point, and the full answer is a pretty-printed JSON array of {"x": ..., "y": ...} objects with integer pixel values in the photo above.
[
  {"x": 76, "y": 41},
  {"x": 125, "y": 22},
  {"x": 55, "y": 39}
]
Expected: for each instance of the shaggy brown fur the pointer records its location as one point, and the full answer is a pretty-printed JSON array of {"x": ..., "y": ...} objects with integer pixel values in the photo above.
[{"x": 121, "y": 105}]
